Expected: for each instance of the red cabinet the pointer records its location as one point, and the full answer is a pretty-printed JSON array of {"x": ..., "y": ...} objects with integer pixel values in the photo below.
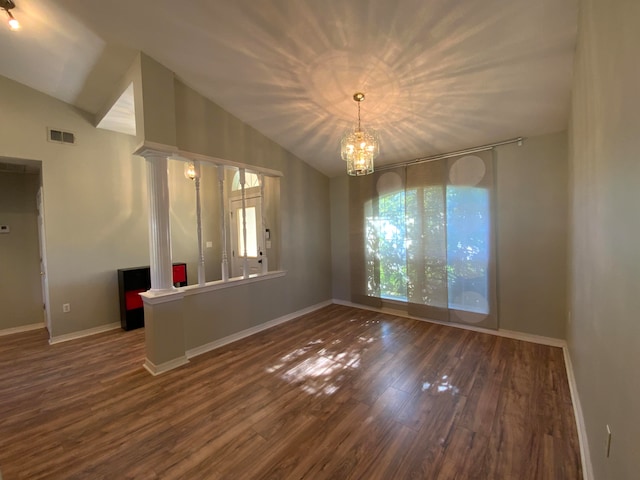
[{"x": 132, "y": 282}]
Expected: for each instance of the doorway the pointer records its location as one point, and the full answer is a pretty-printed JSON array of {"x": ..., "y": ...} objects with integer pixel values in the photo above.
[{"x": 23, "y": 287}]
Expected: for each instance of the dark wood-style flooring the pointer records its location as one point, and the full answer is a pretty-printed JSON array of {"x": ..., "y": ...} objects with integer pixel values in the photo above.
[{"x": 337, "y": 394}]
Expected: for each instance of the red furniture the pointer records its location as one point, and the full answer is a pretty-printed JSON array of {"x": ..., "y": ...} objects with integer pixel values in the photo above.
[{"x": 132, "y": 282}]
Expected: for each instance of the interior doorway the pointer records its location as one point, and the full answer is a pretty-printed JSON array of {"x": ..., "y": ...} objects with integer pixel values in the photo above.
[{"x": 23, "y": 283}]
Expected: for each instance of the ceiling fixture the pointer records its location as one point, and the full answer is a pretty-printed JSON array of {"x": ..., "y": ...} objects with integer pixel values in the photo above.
[
  {"x": 7, "y": 6},
  {"x": 359, "y": 147}
]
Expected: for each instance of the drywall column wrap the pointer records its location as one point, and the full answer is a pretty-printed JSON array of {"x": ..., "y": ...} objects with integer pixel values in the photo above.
[{"x": 159, "y": 230}]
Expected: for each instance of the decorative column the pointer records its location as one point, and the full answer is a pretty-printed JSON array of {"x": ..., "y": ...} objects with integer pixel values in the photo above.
[
  {"x": 245, "y": 260},
  {"x": 263, "y": 235},
  {"x": 201, "y": 275},
  {"x": 159, "y": 229},
  {"x": 223, "y": 223},
  {"x": 192, "y": 172}
]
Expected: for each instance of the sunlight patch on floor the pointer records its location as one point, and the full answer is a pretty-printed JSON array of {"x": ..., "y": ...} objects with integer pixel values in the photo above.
[
  {"x": 441, "y": 386},
  {"x": 319, "y": 373}
]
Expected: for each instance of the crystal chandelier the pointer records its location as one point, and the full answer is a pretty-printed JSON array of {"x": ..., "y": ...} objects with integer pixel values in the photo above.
[{"x": 359, "y": 147}]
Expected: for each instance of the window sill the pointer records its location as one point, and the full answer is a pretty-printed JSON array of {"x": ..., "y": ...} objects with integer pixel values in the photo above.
[
  {"x": 153, "y": 298},
  {"x": 232, "y": 282}
]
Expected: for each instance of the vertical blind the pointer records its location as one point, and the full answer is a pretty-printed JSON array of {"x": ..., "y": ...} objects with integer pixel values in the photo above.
[{"x": 423, "y": 235}]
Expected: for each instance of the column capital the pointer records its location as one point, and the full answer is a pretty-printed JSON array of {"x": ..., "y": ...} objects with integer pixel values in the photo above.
[{"x": 149, "y": 150}]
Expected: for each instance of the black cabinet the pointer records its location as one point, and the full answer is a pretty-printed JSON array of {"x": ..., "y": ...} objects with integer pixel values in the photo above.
[{"x": 132, "y": 282}]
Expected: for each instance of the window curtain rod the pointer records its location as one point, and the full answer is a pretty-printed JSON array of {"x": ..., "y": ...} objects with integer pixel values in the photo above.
[{"x": 440, "y": 156}]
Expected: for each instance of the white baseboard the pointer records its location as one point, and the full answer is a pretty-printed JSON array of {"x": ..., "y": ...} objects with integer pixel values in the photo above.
[
  {"x": 23, "y": 328},
  {"x": 585, "y": 455},
  {"x": 154, "y": 369},
  {"x": 531, "y": 338},
  {"x": 83, "y": 333},
  {"x": 527, "y": 337},
  {"x": 253, "y": 330}
]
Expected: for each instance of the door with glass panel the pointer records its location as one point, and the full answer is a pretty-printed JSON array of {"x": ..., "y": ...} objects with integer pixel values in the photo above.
[{"x": 254, "y": 240}]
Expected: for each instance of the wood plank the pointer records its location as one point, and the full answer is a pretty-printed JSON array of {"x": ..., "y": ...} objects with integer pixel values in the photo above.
[{"x": 338, "y": 393}]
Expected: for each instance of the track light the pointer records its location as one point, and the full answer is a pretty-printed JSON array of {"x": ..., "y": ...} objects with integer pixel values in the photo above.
[{"x": 7, "y": 5}]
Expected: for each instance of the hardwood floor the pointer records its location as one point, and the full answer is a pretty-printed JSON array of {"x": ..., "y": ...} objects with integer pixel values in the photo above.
[{"x": 337, "y": 394}]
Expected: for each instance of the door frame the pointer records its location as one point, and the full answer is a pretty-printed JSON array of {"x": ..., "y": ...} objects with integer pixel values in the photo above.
[
  {"x": 42, "y": 243},
  {"x": 253, "y": 200}
]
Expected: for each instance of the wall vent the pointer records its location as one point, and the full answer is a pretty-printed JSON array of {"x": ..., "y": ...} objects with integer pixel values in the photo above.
[{"x": 60, "y": 136}]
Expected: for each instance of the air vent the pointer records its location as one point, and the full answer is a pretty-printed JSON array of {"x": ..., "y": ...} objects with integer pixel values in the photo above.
[{"x": 60, "y": 136}]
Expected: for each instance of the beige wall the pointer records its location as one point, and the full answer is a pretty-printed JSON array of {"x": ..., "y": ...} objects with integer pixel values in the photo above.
[
  {"x": 157, "y": 101},
  {"x": 20, "y": 290},
  {"x": 531, "y": 206},
  {"x": 304, "y": 232},
  {"x": 95, "y": 204},
  {"x": 340, "y": 260},
  {"x": 604, "y": 332},
  {"x": 184, "y": 238}
]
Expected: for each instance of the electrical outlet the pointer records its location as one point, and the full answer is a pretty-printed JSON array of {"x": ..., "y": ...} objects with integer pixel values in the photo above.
[
  {"x": 608, "y": 441},
  {"x": 66, "y": 307}
]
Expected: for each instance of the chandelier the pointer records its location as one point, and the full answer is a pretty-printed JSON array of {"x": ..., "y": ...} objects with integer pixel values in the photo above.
[{"x": 359, "y": 147}]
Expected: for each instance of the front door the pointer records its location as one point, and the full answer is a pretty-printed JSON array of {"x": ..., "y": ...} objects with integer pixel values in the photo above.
[{"x": 254, "y": 247}]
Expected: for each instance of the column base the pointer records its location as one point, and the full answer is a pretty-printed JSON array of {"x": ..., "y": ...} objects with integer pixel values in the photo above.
[{"x": 154, "y": 369}]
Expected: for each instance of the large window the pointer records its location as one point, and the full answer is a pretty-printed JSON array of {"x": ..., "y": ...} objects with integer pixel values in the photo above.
[
  {"x": 427, "y": 239},
  {"x": 385, "y": 247},
  {"x": 428, "y": 252}
]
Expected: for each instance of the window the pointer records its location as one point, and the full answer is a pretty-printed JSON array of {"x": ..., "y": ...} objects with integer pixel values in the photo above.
[
  {"x": 252, "y": 242},
  {"x": 426, "y": 239},
  {"x": 468, "y": 222},
  {"x": 251, "y": 180}
]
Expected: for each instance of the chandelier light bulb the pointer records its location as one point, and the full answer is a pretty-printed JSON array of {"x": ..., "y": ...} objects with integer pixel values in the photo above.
[
  {"x": 191, "y": 170},
  {"x": 14, "y": 24}
]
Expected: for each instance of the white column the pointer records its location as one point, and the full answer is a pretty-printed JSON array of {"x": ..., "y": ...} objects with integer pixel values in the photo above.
[
  {"x": 245, "y": 260},
  {"x": 263, "y": 226},
  {"x": 201, "y": 277},
  {"x": 223, "y": 222},
  {"x": 159, "y": 229}
]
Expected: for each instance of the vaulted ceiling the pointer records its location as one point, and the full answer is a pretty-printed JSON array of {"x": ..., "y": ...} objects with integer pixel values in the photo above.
[{"x": 439, "y": 75}]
